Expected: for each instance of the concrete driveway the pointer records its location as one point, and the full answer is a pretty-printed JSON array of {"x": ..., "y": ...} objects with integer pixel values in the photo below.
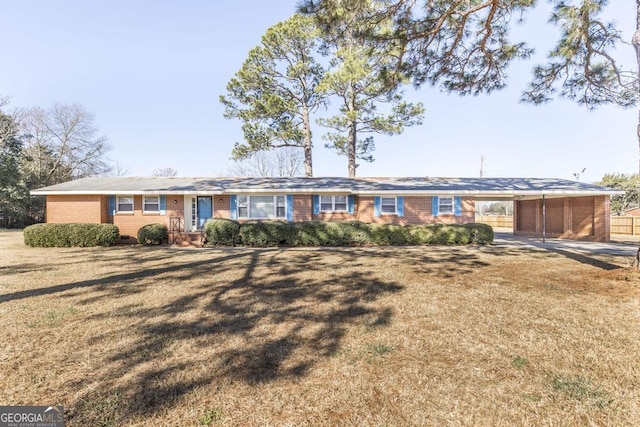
[{"x": 608, "y": 256}]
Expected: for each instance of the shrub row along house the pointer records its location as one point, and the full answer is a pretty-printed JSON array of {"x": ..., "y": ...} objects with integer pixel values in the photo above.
[{"x": 553, "y": 207}]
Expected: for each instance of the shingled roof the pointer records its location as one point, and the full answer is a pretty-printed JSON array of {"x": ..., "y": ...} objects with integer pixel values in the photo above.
[{"x": 479, "y": 187}]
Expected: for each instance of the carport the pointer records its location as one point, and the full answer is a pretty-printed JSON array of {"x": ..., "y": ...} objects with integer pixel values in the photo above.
[{"x": 553, "y": 208}]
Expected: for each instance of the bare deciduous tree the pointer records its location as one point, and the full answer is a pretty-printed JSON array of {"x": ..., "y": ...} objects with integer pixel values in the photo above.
[
  {"x": 164, "y": 172},
  {"x": 117, "y": 169},
  {"x": 283, "y": 162},
  {"x": 61, "y": 143}
]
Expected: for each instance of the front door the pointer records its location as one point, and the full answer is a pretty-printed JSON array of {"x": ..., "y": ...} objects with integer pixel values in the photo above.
[{"x": 205, "y": 210}]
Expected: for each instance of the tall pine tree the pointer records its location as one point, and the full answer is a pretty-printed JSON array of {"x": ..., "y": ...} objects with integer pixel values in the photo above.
[
  {"x": 465, "y": 46},
  {"x": 274, "y": 92},
  {"x": 360, "y": 78}
]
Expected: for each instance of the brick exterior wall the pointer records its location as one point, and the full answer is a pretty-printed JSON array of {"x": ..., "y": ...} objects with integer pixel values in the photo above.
[
  {"x": 130, "y": 222},
  {"x": 576, "y": 218},
  {"x": 417, "y": 210},
  {"x": 303, "y": 207},
  {"x": 94, "y": 209},
  {"x": 76, "y": 208},
  {"x": 579, "y": 218},
  {"x": 221, "y": 206}
]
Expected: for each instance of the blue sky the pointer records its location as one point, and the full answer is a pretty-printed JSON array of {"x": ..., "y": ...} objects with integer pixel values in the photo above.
[{"x": 152, "y": 72}]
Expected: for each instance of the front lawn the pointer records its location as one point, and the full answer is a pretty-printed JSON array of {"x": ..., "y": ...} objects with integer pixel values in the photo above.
[{"x": 351, "y": 336}]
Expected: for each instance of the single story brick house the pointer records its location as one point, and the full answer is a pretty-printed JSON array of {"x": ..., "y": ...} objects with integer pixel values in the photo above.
[{"x": 542, "y": 207}]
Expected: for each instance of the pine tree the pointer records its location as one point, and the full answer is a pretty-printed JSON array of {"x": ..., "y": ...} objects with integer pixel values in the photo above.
[
  {"x": 359, "y": 78},
  {"x": 274, "y": 92}
]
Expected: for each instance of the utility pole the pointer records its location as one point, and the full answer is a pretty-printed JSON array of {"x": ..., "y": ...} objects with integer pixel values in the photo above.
[{"x": 481, "y": 166}]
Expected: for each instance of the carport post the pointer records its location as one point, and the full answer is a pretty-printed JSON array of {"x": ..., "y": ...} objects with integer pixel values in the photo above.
[{"x": 544, "y": 218}]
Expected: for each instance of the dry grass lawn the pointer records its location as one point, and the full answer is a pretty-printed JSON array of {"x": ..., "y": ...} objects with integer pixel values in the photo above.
[{"x": 291, "y": 337}]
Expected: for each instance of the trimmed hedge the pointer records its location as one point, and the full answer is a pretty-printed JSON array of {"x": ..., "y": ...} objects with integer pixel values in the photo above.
[
  {"x": 152, "y": 234},
  {"x": 320, "y": 233},
  {"x": 223, "y": 232},
  {"x": 267, "y": 233},
  {"x": 68, "y": 235},
  {"x": 481, "y": 234},
  {"x": 348, "y": 233}
]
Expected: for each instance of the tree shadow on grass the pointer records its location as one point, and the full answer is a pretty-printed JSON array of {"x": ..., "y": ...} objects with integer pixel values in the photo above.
[
  {"x": 584, "y": 259},
  {"x": 533, "y": 246},
  {"x": 113, "y": 283},
  {"x": 250, "y": 316},
  {"x": 275, "y": 321}
]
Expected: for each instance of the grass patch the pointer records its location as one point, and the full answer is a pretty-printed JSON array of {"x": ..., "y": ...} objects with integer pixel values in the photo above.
[
  {"x": 379, "y": 349},
  {"x": 211, "y": 416},
  {"x": 532, "y": 397},
  {"x": 580, "y": 389},
  {"x": 519, "y": 362},
  {"x": 51, "y": 319},
  {"x": 102, "y": 410}
]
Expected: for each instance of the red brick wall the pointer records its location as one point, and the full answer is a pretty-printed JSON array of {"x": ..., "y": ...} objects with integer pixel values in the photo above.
[
  {"x": 585, "y": 218},
  {"x": 417, "y": 210},
  {"x": 526, "y": 212},
  {"x": 76, "y": 208},
  {"x": 303, "y": 207},
  {"x": 130, "y": 222},
  {"x": 221, "y": 206},
  {"x": 555, "y": 216},
  {"x": 582, "y": 216},
  {"x": 578, "y": 218}
]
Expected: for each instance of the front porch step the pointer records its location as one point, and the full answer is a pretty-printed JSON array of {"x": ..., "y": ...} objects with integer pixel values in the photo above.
[{"x": 193, "y": 240}]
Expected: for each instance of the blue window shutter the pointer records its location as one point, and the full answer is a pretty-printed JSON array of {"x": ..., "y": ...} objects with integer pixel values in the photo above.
[
  {"x": 316, "y": 204},
  {"x": 400, "y": 205},
  {"x": 112, "y": 205},
  {"x": 233, "y": 208},
  {"x": 457, "y": 206},
  {"x": 163, "y": 205},
  {"x": 377, "y": 210},
  {"x": 350, "y": 204},
  {"x": 289, "y": 207},
  {"x": 435, "y": 201}
]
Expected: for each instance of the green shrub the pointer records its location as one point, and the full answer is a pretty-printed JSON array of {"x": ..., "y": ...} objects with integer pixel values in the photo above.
[
  {"x": 68, "y": 235},
  {"x": 310, "y": 233},
  {"x": 389, "y": 235},
  {"x": 481, "y": 234},
  {"x": 453, "y": 234},
  {"x": 266, "y": 233},
  {"x": 320, "y": 233},
  {"x": 152, "y": 234},
  {"x": 223, "y": 232},
  {"x": 420, "y": 234},
  {"x": 343, "y": 233},
  {"x": 358, "y": 233}
]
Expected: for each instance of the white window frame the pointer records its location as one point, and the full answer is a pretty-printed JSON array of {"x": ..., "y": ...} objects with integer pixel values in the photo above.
[
  {"x": 382, "y": 204},
  {"x": 333, "y": 204},
  {"x": 279, "y": 204},
  {"x": 144, "y": 204},
  {"x": 449, "y": 208},
  {"x": 194, "y": 213},
  {"x": 118, "y": 203}
]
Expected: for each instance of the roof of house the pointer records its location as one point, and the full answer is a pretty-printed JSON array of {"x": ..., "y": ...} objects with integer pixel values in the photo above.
[{"x": 488, "y": 188}]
